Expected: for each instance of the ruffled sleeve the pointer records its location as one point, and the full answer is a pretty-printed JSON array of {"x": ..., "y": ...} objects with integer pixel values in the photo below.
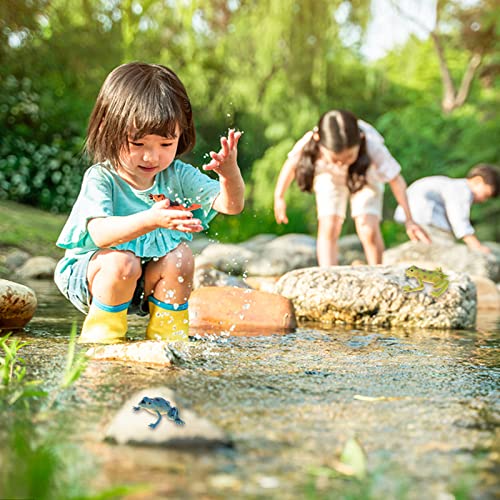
[{"x": 94, "y": 200}]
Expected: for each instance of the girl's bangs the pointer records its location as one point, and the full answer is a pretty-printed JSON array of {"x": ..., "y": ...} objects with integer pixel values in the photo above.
[
  {"x": 153, "y": 126},
  {"x": 156, "y": 115}
]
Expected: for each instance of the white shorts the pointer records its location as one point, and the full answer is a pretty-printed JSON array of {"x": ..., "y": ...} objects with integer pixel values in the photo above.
[{"x": 331, "y": 197}]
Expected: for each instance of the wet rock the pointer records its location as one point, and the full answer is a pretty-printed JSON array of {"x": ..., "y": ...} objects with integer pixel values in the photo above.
[
  {"x": 373, "y": 295},
  {"x": 227, "y": 257},
  {"x": 38, "y": 268},
  {"x": 198, "y": 243},
  {"x": 132, "y": 427},
  {"x": 15, "y": 259},
  {"x": 267, "y": 255},
  {"x": 488, "y": 295},
  {"x": 148, "y": 351},
  {"x": 283, "y": 254},
  {"x": 255, "y": 243},
  {"x": 262, "y": 283},
  {"x": 206, "y": 276},
  {"x": 450, "y": 256},
  {"x": 17, "y": 304},
  {"x": 240, "y": 311}
]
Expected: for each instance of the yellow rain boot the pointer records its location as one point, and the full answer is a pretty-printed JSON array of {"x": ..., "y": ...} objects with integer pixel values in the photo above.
[
  {"x": 167, "y": 322},
  {"x": 104, "y": 324}
]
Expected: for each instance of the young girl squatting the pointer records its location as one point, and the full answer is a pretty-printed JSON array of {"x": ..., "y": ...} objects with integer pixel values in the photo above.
[{"x": 126, "y": 235}]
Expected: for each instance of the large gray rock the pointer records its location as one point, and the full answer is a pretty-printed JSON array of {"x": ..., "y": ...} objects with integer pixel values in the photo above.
[
  {"x": 17, "y": 305},
  {"x": 229, "y": 258},
  {"x": 38, "y": 268},
  {"x": 15, "y": 259},
  {"x": 280, "y": 255},
  {"x": 267, "y": 255},
  {"x": 451, "y": 257},
  {"x": 132, "y": 427},
  {"x": 209, "y": 276},
  {"x": 373, "y": 295}
]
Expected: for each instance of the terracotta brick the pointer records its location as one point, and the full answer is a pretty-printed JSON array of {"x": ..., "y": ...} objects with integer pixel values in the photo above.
[{"x": 239, "y": 311}]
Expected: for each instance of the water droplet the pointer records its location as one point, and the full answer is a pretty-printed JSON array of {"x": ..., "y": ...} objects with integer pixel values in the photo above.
[{"x": 180, "y": 279}]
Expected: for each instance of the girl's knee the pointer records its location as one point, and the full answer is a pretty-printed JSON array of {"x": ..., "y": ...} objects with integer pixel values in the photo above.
[
  {"x": 124, "y": 265},
  {"x": 182, "y": 258},
  {"x": 367, "y": 226}
]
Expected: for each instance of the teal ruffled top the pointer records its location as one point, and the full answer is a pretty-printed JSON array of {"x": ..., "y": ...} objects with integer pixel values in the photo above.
[{"x": 104, "y": 193}]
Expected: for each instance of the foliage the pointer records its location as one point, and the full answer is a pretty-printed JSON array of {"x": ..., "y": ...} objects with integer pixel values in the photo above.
[
  {"x": 36, "y": 238},
  {"x": 39, "y": 463},
  {"x": 269, "y": 68},
  {"x": 13, "y": 385}
]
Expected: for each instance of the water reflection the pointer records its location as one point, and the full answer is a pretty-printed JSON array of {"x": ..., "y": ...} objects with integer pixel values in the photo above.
[{"x": 288, "y": 403}]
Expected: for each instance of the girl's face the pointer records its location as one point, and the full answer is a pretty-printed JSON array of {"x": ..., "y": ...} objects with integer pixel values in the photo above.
[
  {"x": 145, "y": 158},
  {"x": 342, "y": 159}
]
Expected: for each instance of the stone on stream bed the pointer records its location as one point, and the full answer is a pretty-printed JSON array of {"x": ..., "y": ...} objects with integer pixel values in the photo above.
[
  {"x": 17, "y": 305},
  {"x": 131, "y": 426},
  {"x": 240, "y": 311},
  {"x": 373, "y": 295},
  {"x": 153, "y": 352}
]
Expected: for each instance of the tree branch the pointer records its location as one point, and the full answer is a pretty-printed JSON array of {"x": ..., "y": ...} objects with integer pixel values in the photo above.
[{"x": 467, "y": 79}]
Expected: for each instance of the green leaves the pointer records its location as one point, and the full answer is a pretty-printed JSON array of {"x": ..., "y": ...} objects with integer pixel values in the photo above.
[{"x": 13, "y": 385}]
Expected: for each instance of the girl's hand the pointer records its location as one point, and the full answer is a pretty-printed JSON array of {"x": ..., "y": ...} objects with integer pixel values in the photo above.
[
  {"x": 224, "y": 162},
  {"x": 416, "y": 233},
  {"x": 280, "y": 211},
  {"x": 170, "y": 218}
]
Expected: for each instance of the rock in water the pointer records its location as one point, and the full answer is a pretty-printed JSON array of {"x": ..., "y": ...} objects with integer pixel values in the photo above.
[
  {"x": 132, "y": 427},
  {"x": 446, "y": 255},
  {"x": 147, "y": 351},
  {"x": 240, "y": 311},
  {"x": 373, "y": 295},
  {"x": 17, "y": 305}
]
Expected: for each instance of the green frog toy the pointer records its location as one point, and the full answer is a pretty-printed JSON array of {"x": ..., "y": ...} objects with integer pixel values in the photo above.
[{"x": 438, "y": 279}]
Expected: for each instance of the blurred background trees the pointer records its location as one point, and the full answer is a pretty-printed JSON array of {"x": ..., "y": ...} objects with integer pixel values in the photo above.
[{"x": 267, "y": 67}]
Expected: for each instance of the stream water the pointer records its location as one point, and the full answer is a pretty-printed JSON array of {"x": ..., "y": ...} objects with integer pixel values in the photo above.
[{"x": 290, "y": 403}]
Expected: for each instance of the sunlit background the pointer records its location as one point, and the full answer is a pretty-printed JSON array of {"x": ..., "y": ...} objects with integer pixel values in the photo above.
[{"x": 423, "y": 72}]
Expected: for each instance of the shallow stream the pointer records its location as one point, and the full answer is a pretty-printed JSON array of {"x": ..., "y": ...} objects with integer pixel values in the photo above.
[{"x": 290, "y": 403}]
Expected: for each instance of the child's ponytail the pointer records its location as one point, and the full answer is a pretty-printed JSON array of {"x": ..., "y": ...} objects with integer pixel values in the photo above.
[{"x": 304, "y": 172}]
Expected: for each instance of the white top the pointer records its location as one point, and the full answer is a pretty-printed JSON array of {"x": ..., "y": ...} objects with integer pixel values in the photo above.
[
  {"x": 441, "y": 202},
  {"x": 385, "y": 167}
]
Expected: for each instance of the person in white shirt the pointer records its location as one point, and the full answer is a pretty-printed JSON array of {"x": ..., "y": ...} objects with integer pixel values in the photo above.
[
  {"x": 443, "y": 204},
  {"x": 345, "y": 158}
]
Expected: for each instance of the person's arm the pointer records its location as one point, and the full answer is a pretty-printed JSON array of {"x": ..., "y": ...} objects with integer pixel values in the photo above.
[
  {"x": 474, "y": 244},
  {"x": 231, "y": 198},
  {"x": 414, "y": 231},
  {"x": 114, "y": 230},
  {"x": 285, "y": 178}
]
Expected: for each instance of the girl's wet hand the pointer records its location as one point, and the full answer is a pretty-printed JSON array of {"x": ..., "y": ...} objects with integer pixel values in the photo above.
[
  {"x": 280, "y": 211},
  {"x": 178, "y": 220},
  {"x": 224, "y": 162}
]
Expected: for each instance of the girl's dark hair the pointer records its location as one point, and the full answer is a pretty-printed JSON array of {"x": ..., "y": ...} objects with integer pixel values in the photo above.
[
  {"x": 135, "y": 100},
  {"x": 338, "y": 130}
]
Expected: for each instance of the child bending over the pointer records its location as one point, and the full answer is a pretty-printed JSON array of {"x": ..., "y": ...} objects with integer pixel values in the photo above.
[
  {"x": 345, "y": 158},
  {"x": 443, "y": 204},
  {"x": 125, "y": 238}
]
